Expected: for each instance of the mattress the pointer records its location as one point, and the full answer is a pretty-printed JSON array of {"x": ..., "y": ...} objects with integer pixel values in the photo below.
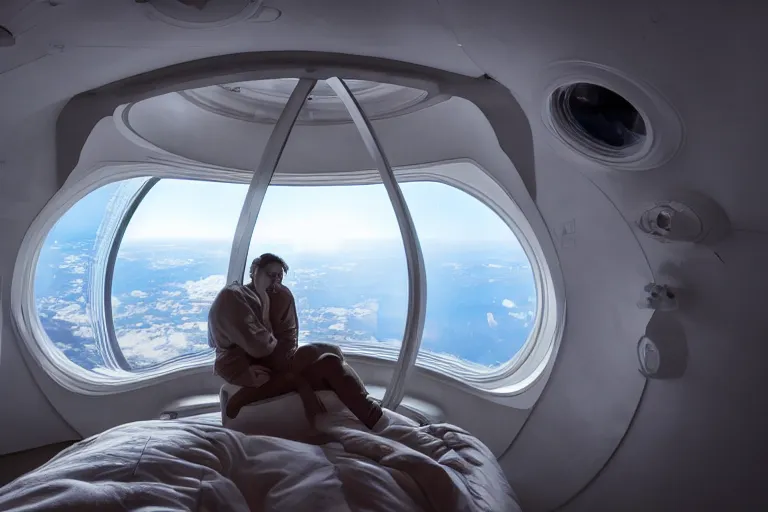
[{"x": 197, "y": 464}]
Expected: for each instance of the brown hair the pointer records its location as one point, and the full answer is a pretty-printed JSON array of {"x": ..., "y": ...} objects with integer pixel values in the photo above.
[{"x": 264, "y": 260}]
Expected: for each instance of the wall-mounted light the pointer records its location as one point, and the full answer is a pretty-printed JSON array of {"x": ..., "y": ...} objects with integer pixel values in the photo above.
[{"x": 689, "y": 217}]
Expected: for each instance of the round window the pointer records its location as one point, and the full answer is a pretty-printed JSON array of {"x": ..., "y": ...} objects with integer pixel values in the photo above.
[{"x": 599, "y": 114}]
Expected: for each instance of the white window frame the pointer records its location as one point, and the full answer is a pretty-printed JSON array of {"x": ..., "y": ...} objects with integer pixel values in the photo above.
[{"x": 510, "y": 379}]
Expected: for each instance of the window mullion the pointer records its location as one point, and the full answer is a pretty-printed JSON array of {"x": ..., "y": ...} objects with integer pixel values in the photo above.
[
  {"x": 114, "y": 357},
  {"x": 417, "y": 285},
  {"x": 262, "y": 177}
]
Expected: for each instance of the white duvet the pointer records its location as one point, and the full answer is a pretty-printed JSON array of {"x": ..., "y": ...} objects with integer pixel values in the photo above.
[{"x": 199, "y": 465}]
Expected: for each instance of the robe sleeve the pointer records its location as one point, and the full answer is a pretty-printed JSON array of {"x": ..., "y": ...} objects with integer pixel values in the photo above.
[
  {"x": 284, "y": 319},
  {"x": 233, "y": 321}
]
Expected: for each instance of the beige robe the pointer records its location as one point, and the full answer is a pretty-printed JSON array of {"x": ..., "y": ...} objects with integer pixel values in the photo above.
[{"x": 240, "y": 331}]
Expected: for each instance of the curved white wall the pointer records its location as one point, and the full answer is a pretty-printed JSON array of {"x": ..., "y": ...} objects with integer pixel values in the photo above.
[{"x": 26, "y": 183}]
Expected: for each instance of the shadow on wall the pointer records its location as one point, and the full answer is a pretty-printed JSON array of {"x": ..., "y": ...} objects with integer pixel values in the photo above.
[{"x": 664, "y": 348}]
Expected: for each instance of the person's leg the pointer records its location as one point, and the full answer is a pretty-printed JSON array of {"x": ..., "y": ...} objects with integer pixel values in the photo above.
[
  {"x": 332, "y": 372},
  {"x": 276, "y": 386},
  {"x": 305, "y": 355}
]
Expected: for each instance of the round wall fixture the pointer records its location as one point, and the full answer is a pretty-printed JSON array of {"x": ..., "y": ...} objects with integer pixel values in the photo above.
[
  {"x": 688, "y": 217},
  {"x": 263, "y": 100},
  {"x": 202, "y": 13},
  {"x": 608, "y": 118}
]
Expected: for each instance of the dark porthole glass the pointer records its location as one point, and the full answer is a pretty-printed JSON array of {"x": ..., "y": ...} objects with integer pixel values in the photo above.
[{"x": 601, "y": 114}]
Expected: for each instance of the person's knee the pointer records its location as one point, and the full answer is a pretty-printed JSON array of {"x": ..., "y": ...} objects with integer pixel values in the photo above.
[
  {"x": 329, "y": 362},
  {"x": 327, "y": 348}
]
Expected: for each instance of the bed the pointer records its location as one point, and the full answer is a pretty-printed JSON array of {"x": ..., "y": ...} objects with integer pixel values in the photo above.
[{"x": 198, "y": 464}]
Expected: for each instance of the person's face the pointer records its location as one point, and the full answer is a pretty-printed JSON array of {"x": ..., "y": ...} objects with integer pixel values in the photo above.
[{"x": 268, "y": 277}]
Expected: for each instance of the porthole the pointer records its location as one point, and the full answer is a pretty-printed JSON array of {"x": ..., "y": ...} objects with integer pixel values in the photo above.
[
  {"x": 598, "y": 120},
  {"x": 599, "y": 113}
]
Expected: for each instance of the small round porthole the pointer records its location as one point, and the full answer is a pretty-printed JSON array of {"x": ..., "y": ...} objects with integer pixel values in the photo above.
[
  {"x": 608, "y": 117},
  {"x": 598, "y": 118}
]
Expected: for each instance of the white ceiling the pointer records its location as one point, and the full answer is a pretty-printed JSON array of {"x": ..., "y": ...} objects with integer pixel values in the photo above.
[{"x": 81, "y": 44}]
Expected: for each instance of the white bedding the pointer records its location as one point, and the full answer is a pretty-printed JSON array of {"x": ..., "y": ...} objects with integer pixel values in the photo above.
[{"x": 199, "y": 465}]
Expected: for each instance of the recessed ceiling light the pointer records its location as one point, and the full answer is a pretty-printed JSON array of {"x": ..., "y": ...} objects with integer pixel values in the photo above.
[
  {"x": 6, "y": 37},
  {"x": 202, "y": 13},
  {"x": 264, "y": 100}
]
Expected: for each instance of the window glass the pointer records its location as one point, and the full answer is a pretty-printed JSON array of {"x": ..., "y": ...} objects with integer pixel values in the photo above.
[
  {"x": 481, "y": 298},
  {"x": 70, "y": 269},
  {"x": 171, "y": 263},
  {"x": 347, "y": 263}
]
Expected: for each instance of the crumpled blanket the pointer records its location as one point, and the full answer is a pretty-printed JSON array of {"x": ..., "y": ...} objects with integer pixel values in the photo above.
[{"x": 198, "y": 465}]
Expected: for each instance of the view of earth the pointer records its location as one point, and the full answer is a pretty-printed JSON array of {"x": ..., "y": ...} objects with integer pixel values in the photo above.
[{"x": 480, "y": 300}]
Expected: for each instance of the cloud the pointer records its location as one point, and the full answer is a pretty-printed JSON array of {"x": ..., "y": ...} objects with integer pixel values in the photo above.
[
  {"x": 75, "y": 264},
  {"x": 508, "y": 304},
  {"x": 491, "y": 320},
  {"x": 139, "y": 294},
  {"x": 70, "y": 312},
  {"x": 205, "y": 289},
  {"x": 518, "y": 316},
  {"x": 165, "y": 263},
  {"x": 160, "y": 342}
]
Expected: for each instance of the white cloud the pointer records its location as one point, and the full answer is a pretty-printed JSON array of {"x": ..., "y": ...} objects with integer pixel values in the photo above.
[
  {"x": 70, "y": 312},
  {"x": 164, "y": 263},
  {"x": 189, "y": 326},
  {"x": 518, "y": 316},
  {"x": 494, "y": 265},
  {"x": 83, "y": 331},
  {"x": 336, "y": 327},
  {"x": 139, "y": 294},
  {"x": 508, "y": 304},
  {"x": 74, "y": 264},
  {"x": 205, "y": 289},
  {"x": 491, "y": 320},
  {"x": 159, "y": 342}
]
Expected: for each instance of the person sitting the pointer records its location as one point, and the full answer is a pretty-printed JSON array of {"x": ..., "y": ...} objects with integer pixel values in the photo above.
[{"x": 249, "y": 353}]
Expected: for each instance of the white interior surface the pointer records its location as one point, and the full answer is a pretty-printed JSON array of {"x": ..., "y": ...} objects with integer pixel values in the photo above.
[{"x": 599, "y": 437}]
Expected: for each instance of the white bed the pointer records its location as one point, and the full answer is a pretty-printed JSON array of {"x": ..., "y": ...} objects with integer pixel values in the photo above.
[{"x": 196, "y": 464}]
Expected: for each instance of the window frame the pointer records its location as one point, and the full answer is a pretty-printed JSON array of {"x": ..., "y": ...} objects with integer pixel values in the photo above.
[{"x": 509, "y": 379}]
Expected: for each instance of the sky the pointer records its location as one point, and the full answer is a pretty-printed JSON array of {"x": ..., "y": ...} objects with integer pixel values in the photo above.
[{"x": 314, "y": 215}]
